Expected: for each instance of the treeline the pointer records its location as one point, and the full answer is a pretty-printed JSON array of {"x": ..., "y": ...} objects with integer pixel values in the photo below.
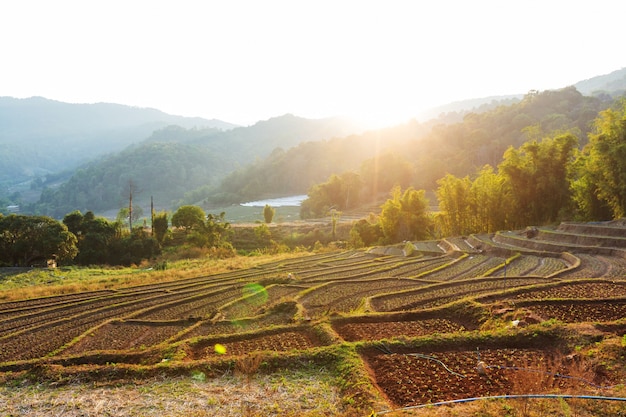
[
  {"x": 79, "y": 239},
  {"x": 542, "y": 181},
  {"x": 85, "y": 239},
  {"x": 433, "y": 150}
]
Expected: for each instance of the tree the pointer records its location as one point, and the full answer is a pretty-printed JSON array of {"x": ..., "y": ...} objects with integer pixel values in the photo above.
[
  {"x": 268, "y": 213},
  {"x": 405, "y": 216},
  {"x": 24, "y": 239},
  {"x": 455, "y": 205},
  {"x": 160, "y": 226},
  {"x": 188, "y": 217},
  {"x": 538, "y": 174},
  {"x": 340, "y": 192},
  {"x": 365, "y": 233},
  {"x": 124, "y": 215},
  {"x": 96, "y": 236},
  {"x": 602, "y": 170}
]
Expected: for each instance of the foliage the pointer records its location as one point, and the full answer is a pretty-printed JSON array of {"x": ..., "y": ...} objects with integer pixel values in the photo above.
[
  {"x": 160, "y": 227},
  {"x": 365, "y": 233},
  {"x": 95, "y": 237},
  {"x": 268, "y": 213},
  {"x": 188, "y": 217},
  {"x": 340, "y": 192},
  {"x": 25, "y": 239},
  {"x": 530, "y": 187},
  {"x": 133, "y": 248},
  {"x": 538, "y": 174},
  {"x": 103, "y": 242},
  {"x": 601, "y": 180},
  {"x": 405, "y": 216}
]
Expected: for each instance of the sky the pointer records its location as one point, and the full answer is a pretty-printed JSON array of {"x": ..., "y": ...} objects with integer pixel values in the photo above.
[{"x": 241, "y": 61}]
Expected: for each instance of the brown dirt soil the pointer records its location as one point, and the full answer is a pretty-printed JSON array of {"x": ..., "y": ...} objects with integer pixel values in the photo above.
[
  {"x": 278, "y": 342},
  {"x": 407, "y": 379},
  {"x": 579, "y": 311},
  {"x": 353, "y": 332},
  {"x": 123, "y": 336}
]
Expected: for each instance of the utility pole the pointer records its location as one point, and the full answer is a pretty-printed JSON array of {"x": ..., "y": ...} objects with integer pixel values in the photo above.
[
  {"x": 130, "y": 206},
  {"x": 152, "y": 215}
]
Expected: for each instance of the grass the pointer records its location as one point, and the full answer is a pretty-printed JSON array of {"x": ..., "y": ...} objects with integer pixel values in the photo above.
[
  {"x": 284, "y": 393},
  {"x": 39, "y": 282}
]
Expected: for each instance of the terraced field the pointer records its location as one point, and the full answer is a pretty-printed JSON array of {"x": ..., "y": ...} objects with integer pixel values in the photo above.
[{"x": 416, "y": 323}]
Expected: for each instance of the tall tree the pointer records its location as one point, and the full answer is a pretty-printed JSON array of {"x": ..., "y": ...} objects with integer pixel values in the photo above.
[
  {"x": 268, "y": 213},
  {"x": 405, "y": 216},
  {"x": 455, "y": 206},
  {"x": 538, "y": 174},
  {"x": 603, "y": 168}
]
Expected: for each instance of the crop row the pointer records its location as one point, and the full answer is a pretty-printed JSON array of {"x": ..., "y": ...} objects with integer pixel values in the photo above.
[
  {"x": 257, "y": 298},
  {"x": 347, "y": 296},
  {"x": 576, "y": 290},
  {"x": 200, "y": 305},
  {"x": 280, "y": 340},
  {"x": 409, "y": 379},
  {"x": 125, "y": 336},
  {"x": 353, "y": 332},
  {"x": 580, "y": 311},
  {"x": 409, "y": 300},
  {"x": 467, "y": 267}
]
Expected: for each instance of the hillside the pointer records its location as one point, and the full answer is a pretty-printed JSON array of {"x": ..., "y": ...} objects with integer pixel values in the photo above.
[
  {"x": 613, "y": 84},
  {"x": 175, "y": 160},
  {"x": 40, "y": 136},
  {"x": 432, "y": 149}
]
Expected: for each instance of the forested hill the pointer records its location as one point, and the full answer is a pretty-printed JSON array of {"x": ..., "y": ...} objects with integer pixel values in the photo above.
[
  {"x": 175, "y": 160},
  {"x": 459, "y": 148},
  {"x": 243, "y": 145},
  {"x": 40, "y": 136}
]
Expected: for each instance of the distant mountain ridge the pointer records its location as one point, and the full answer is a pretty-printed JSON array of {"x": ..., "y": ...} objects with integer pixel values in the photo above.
[
  {"x": 40, "y": 136},
  {"x": 613, "y": 83},
  {"x": 56, "y": 147}
]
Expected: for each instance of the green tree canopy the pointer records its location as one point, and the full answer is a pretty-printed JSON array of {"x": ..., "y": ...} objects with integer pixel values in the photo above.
[
  {"x": 24, "y": 239},
  {"x": 601, "y": 179},
  {"x": 405, "y": 216},
  {"x": 188, "y": 217}
]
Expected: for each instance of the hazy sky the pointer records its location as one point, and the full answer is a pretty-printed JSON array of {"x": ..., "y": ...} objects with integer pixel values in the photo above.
[{"x": 244, "y": 61}]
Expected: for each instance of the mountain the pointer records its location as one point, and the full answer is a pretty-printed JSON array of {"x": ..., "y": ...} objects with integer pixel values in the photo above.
[
  {"x": 454, "y": 112},
  {"x": 175, "y": 160},
  {"x": 39, "y": 136},
  {"x": 613, "y": 84}
]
